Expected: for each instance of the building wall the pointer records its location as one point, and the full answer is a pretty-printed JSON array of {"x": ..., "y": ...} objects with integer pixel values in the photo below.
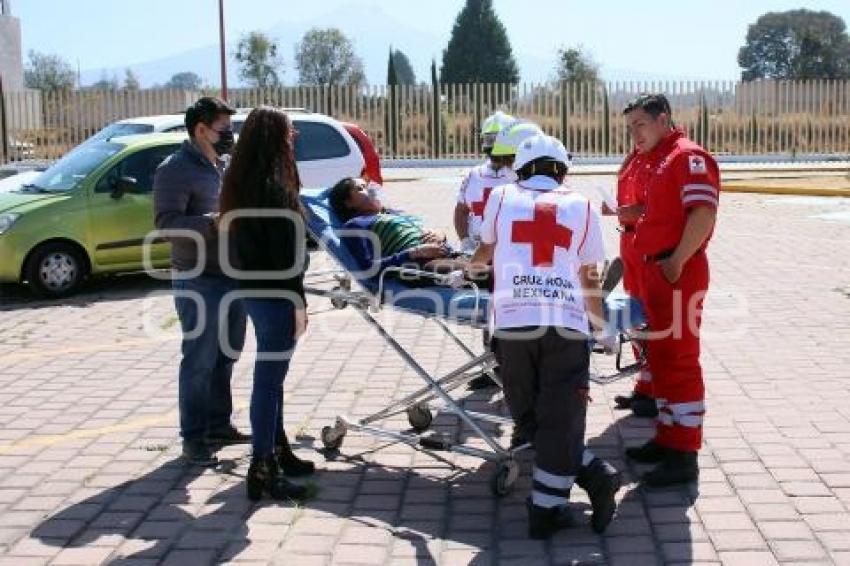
[{"x": 11, "y": 60}]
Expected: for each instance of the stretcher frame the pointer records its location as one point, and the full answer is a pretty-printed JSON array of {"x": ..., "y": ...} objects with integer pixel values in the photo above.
[{"x": 418, "y": 405}]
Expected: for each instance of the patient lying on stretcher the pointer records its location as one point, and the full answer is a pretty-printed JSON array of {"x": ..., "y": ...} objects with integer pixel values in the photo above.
[{"x": 379, "y": 238}]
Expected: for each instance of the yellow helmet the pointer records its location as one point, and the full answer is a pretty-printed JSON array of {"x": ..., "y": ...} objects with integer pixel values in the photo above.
[
  {"x": 492, "y": 125},
  {"x": 508, "y": 139}
]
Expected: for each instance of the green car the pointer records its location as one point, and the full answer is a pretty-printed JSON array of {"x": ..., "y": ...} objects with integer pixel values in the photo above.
[{"x": 86, "y": 215}]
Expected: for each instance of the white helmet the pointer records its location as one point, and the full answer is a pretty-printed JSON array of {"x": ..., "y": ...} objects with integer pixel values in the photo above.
[
  {"x": 492, "y": 125},
  {"x": 539, "y": 146},
  {"x": 509, "y": 139}
]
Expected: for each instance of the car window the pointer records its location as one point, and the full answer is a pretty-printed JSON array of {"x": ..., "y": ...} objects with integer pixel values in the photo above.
[
  {"x": 118, "y": 130},
  {"x": 75, "y": 166},
  {"x": 141, "y": 166},
  {"x": 236, "y": 125},
  {"x": 318, "y": 141},
  {"x": 180, "y": 128}
]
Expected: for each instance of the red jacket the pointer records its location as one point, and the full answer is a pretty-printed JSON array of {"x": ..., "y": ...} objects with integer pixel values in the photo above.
[{"x": 685, "y": 176}]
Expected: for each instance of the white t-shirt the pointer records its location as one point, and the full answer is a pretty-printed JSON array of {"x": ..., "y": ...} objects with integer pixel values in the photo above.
[
  {"x": 476, "y": 189},
  {"x": 543, "y": 233}
]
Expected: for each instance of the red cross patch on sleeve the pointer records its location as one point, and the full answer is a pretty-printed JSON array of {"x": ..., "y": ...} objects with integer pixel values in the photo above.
[{"x": 697, "y": 166}]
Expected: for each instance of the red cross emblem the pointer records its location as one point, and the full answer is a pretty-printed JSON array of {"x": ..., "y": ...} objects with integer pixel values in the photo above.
[
  {"x": 543, "y": 233},
  {"x": 477, "y": 207}
]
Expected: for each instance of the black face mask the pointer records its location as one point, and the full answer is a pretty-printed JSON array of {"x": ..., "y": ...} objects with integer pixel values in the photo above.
[{"x": 224, "y": 143}]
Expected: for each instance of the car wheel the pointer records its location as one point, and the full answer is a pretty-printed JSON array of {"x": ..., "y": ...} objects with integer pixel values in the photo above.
[{"x": 55, "y": 270}]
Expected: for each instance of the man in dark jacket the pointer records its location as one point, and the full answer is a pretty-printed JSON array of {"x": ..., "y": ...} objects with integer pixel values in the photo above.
[{"x": 186, "y": 191}]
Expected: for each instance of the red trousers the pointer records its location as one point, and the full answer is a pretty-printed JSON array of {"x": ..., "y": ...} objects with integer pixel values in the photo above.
[
  {"x": 632, "y": 267},
  {"x": 674, "y": 314}
]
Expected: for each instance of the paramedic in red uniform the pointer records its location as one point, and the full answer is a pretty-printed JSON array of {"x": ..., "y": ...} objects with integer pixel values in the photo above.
[
  {"x": 681, "y": 208},
  {"x": 632, "y": 179}
]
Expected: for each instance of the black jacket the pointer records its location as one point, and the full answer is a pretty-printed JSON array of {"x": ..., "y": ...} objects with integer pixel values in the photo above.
[
  {"x": 271, "y": 244},
  {"x": 185, "y": 193}
]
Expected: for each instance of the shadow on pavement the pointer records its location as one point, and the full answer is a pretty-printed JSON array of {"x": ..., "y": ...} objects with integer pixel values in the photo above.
[
  {"x": 102, "y": 289},
  {"x": 436, "y": 511}
]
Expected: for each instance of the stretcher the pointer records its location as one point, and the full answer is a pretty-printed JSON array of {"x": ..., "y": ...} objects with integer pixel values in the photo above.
[{"x": 445, "y": 306}]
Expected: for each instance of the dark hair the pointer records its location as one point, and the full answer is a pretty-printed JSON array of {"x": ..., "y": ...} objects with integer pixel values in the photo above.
[
  {"x": 545, "y": 166},
  {"x": 262, "y": 171},
  {"x": 652, "y": 104},
  {"x": 205, "y": 111},
  {"x": 339, "y": 195}
]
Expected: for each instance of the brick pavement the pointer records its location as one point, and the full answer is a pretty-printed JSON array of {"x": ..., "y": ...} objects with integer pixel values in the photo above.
[{"x": 88, "y": 448}]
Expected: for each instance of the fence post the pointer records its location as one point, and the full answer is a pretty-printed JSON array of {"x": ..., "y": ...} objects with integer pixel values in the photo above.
[
  {"x": 606, "y": 121},
  {"x": 3, "y": 126},
  {"x": 389, "y": 116},
  {"x": 562, "y": 85},
  {"x": 436, "y": 102}
]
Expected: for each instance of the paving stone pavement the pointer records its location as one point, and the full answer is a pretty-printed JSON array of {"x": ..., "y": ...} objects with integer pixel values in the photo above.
[{"x": 89, "y": 468}]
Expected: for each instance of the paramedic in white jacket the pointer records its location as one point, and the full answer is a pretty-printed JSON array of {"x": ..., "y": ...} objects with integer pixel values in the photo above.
[
  {"x": 544, "y": 242},
  {"x": 479, "y": 182}
]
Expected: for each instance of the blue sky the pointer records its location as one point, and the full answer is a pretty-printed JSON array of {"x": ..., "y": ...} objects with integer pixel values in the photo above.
[{"x": 662, "y": 37}]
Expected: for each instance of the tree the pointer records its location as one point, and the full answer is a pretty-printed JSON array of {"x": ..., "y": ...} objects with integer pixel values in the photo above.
[
  {"x": 403, "y": 69},
  {"x": 105, "y": 82},
  {"x": 326, "y": 57},
  {"x": 258, "y": 60},
  {"x": 48, "y": 72},
  {"x": 575, "y": 65},
  {"x": 479, "y": 50},
  {"x": 187, "y": 80},
  {"x": 392, "y": 75},
  {"x": 796, "y": 45},
  {"x": 131, "y": 81}
]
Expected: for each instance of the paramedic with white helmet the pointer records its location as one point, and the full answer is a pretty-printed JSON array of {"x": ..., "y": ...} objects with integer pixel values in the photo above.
[
  {"x": 479, "y": 182},
  {"x": 544, "y": 242}
]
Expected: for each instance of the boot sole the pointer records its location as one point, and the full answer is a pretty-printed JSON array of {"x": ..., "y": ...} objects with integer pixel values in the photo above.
[
  {"x": 200, "y": 463},
  {"x": 297, "y": 474},
  {"x": 645, "y": 460}
]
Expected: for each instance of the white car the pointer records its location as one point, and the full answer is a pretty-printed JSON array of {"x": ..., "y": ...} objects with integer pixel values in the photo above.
[
  {"x": 324, "y": 150},
  {"x": 15, "y": 181}
]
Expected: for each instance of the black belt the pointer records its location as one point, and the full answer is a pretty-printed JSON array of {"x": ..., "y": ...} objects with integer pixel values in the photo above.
[
  {"x": 652, "y": 258},
  {"x": 660, "y": 256}
]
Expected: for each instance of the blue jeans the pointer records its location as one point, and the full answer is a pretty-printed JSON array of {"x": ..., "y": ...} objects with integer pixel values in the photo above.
[
  {"x": 274, "y": 326},
  {"x": 205, "y": 399}
]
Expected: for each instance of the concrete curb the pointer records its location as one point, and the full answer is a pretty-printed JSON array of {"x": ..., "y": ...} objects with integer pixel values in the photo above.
[{"x": 795, "y": 191}]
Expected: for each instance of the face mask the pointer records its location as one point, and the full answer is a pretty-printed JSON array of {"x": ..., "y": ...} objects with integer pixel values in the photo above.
[{"x": 225, "y": 142}]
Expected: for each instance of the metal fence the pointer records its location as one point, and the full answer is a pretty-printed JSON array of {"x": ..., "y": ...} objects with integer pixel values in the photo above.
[{"x": 420, "y": 121}]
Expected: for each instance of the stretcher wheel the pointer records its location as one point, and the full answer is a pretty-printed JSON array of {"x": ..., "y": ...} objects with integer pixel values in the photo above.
[
  {"x": 332, "y": 437},
  {"x": 337, "y": 302},
  {"x": 419, "y": 416},
  {"x": 502, "y": 482}
]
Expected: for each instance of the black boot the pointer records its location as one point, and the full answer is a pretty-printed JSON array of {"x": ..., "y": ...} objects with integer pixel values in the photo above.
[
  {"x": 623, "y": 402},
  {"x": 677, "y": 468},
  {"x": 601, "y": 481},
  {"x": 483, "y": 381},
  {"x": 641, "y": 405},
  {"x": 264, "y": 477},
  {"x": 543, "y": 522},
  {"x": 649, "y": 453},
  {"x": 644, "y": 406},
  {"x": 289, "y": 463}
]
